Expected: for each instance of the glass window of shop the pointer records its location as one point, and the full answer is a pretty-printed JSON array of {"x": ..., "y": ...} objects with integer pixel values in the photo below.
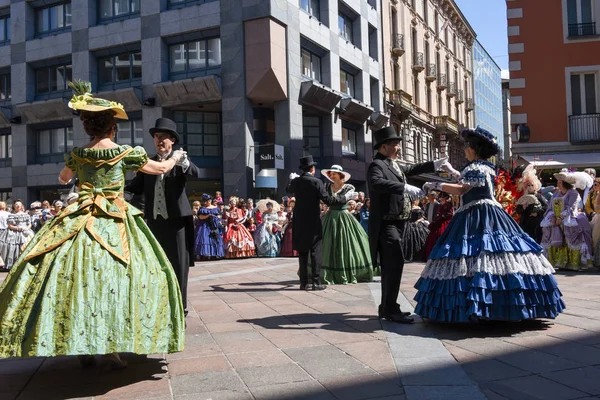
[
  {"x": 53, "y": 143},
  {"x": 186, "y": 3},
  {"x": 121, "y": 70},
  {"x": 349, "y": 142},
  {"x": 195, "y": 58},
  {"x": 200, "y": 135},
  {"x": 5, "y": 148},
  {"x": 130, "y": 132}
]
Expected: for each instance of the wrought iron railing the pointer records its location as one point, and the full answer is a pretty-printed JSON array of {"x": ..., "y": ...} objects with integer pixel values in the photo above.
[
  {"x": 451, "y": 92},
  {"x": 584, "y": 128},
  {"x": 431, "y": 73},
  {"x": 460, "y": 96},
  {"x": 442, "y": 81},
  {"x": 398, "y": 43},
  {"x": 470, "y": 104},
  {"x": 585, "y": 29},
  {"x": 418, "y": 61}
]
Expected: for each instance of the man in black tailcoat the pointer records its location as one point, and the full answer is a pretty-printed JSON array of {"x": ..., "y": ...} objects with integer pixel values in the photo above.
[
  {"x": 390, "y": 209},
  {"x": 306, "y": 225},
  {"x": 166, "y": 206}
]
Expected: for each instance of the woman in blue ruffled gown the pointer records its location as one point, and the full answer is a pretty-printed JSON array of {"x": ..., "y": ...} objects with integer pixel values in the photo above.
[
  {"x": 209, "y": 231},
  {"x": 484, "y": 265}
]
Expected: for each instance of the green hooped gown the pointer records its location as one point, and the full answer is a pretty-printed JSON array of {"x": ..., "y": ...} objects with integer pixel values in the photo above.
[
  {"x": 346, "y": 254},
  {"x": 94, "y": 280}
]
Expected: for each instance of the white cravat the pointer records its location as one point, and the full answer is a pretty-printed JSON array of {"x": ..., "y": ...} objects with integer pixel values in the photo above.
[{"x": 160, "y": 202}]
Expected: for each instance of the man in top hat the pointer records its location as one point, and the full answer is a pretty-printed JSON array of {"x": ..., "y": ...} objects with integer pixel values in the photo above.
[
  {"x": 306, "y": 225},
  {"x": 166, "y": 206},
  {"x": 390, "y": 209}
]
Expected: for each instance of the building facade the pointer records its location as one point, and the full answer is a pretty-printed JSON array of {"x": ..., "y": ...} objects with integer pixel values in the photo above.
[
  {"x": 253, "y": 86},
  {"x": 428, "y": 53},
  {"x": 488, "y": 94},
  {"x": 508, "y": 137},
  {"x": 555, "y": 82}
]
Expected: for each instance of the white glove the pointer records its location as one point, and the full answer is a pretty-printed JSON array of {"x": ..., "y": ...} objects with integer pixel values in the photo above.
[
  {"x": 414, "y": 192},
  {"x": 450, "y": 169},
  {"x": 184, "y": 162},
  {"x": 178, "y": 156},
  {"x": 351, "y": 196},
  {"x": 293, "y": 176},
  {"x": 429, "y": 186},
  {"x": 437, "y": 164}
]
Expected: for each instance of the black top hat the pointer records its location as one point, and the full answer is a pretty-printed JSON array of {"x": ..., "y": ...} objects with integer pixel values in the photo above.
[
  {"x": 384, "y": 135},
  {"x": 306, "y": 162},
  {"x": 166, "y": 125}
]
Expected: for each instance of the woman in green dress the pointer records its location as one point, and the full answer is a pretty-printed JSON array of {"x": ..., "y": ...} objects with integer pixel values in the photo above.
[
  {"x": 346, "y": 254},
  {"x": 94, "y": 280}
]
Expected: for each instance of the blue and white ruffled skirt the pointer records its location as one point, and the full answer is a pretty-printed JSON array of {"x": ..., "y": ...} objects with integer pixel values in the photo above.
[{"x": 486, "y": 266}]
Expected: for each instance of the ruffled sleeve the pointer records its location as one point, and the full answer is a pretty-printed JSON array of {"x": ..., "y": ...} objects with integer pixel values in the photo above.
[
  {"x": 70, "y": 162},
  {"x": 136, "y": 159},
  {"x": 473, "y": 177},
  {"x": 569, "y": 212}
]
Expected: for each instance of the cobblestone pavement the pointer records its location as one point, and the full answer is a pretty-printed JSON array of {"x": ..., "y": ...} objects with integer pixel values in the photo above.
[{"x": 253, "y": 335}]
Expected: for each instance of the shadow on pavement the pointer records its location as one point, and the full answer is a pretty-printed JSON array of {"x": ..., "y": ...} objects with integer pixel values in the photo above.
[
  {"x": 339, "y": 322},
  {"x": 260, "y": 287}
]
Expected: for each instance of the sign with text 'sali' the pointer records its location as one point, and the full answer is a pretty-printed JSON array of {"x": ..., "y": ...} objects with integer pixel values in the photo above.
[{"x": 271, "y": 156}]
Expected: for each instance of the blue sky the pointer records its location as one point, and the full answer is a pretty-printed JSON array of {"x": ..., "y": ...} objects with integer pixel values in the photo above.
[{"x": 488, "y": 19}]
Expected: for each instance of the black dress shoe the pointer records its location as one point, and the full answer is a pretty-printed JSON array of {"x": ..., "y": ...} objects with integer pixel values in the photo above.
[
  {"x": 400, "y": 318},
  {"x": 315, "y": 287},
  {"x": 303, "y": 286},
  {"x": 405, "y": 313}
]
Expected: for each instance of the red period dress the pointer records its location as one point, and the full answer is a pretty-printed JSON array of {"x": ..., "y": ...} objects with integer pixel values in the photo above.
[
  {"x": 238, "y": 240},
  {"x": 438, "y": 226}
]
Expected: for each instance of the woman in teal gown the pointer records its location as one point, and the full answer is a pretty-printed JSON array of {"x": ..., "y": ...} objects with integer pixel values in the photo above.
[
  {"x": 346, "y": 254},
  {"x": 94, "y": 280}
]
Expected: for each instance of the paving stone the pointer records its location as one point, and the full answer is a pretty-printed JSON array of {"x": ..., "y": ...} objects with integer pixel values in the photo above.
[
  {"x": 374, "y": 353},
  {"x": 218, "y": 395},
  {"x": 432, "y": 371},
  {"x": 211, "y": 381},
  {"x": 533, "y": 387},
  {"x": 362, "y": 387},
  {"x": 537, "y": 362},
  {"x": 242, "y": 341},
  {"x": 23, "y": 366},
  {"x": 416, "y": 347},
  {"x": 273, "y": 375},
  {"x": 577, "y": 352},
  {"x": 158, "y": 389},
  {"x": 258, "y": 359},
  {"x": 309, "y": 390},
  {"x": 584, "y": 379},
  {"x": 327, "y": 362},
  {"x": 194, "y": 351},
  {"x": 292, "y": 338},
  {"x": 443, "y": 393},
  {"x": 219, "y": 327},
  {"x": 198, "y": 365},
  {"x": 491, "y": 370}
]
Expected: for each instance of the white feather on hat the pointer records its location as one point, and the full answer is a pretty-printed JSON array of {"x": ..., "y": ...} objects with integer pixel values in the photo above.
[{"x": 579, "y": 180}]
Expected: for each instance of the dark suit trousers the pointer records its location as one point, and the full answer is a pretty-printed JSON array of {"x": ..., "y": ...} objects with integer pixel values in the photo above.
[
  {"x": 171, "y": 234},
  {"x": 316, "y": 257},
  {"x": 391, "y": 260}
]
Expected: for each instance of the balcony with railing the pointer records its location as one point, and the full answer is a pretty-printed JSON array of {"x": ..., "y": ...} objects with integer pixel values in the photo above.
[
  {"x": 398, "y": 44},
  {"x": 584, "y": 29},
  {"x": 418, "y": 64},
  {"x": 442, "y": 82},
  {"x": 584, "y": 129},
  {"x": 451, "y": 92},
  {"x": 470, "y": 106},
  {"x": 460, "y": 96},
  {"x": 445, "y": 124},
  {"x": 431, "y": 72},
  {"x": 402, "y": 102}
]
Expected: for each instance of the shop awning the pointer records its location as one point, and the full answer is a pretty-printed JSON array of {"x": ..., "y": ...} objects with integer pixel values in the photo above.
[
  {"x": 129, "y": 97},
  {"x": 205, "y": 89},
  {"x": 561, "y": 160},
  {"x": 319, "y": 96},
  {"x": 44, "y": 111},
  {"x": 354, "y": 110}
]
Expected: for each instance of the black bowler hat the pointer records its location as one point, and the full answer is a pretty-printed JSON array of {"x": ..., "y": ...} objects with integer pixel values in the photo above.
[
  {"x": 166, "y": 125},
  {"x": 384, "y": 135},
  {"x": 306, "y": 162}
]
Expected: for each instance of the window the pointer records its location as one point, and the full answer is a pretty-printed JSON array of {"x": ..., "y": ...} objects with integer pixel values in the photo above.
[
  {"x": 579, "y": 16},
  {"x": 345, "y": 27},
  {"x": 372, "y": 3},
  {"x": 200, "y": 131},
  {"x": 311, "y": 134},
  {"x": 5, "y": 87},
  {"x": 436, "y": 22},
  {"x": 53, "y": 19},
  {"x": 203, "y": 56},
  {"x": 130, "y": 132},
  {"x": 312, "y": 7},
  {"x": 348, "y": 141},
  {"x": 373, "y": 42},
  {"x": 120, "y": 69},
  {"x": 118, "y": 9},
  {"x": 53, "y": 79},
  {"x": 311, "y": 65},
  {"x": 429, "y": 98},
  {"x": 416, "y": 89},
  {"x": 346, "y": 83},
  {"x": 5, "y": 148},
  {"x": 583, "y": 94},
  {"x": 375, "y": 102},
  {"x": 186, "y": 3},
  {"x": 425, "y": 11},
  {"x": 52, "y": 144},
  {"x": 4, "y": 30}
]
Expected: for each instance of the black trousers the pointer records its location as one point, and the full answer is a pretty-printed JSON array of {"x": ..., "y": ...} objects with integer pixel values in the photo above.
[
  {"x": 391, "y": 261},
  {"x": 171, "y": 234},
  {"x": 316, "y": 257}
]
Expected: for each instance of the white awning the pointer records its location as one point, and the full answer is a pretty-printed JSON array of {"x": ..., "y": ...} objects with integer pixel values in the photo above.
[{"x": 562, "y": 160}]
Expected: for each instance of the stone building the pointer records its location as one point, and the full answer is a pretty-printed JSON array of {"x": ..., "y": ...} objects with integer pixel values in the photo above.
[
  {"x": 428, "y": 53},
  {"x": 250, "y": 84}
]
